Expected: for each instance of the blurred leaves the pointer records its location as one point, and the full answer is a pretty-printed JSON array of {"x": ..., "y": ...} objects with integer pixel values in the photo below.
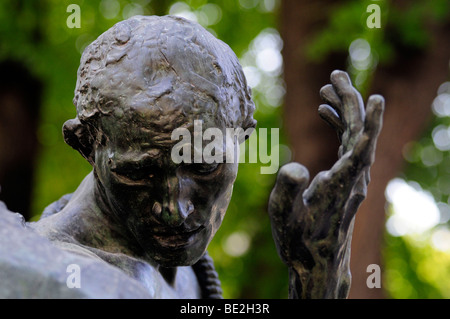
[
  {"x": 416, "y": 270},
  {"x": 404, "y": 29},
  {"x": 418, "y": 266}
]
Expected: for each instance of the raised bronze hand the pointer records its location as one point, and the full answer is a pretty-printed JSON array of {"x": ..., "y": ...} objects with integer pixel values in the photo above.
[{"x": 313, "y": 225}]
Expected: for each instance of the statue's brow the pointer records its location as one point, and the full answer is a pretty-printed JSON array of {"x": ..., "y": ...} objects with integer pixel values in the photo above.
[{"x": 151, "y": 157}]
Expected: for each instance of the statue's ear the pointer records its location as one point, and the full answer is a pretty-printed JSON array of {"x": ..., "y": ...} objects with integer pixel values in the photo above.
[{"x": 78, "y": 136}]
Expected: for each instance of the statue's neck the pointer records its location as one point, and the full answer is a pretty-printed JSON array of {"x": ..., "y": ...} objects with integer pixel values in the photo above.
[
  {"x": 90, "y": 221},
  {"x": 116, "y": 236}
]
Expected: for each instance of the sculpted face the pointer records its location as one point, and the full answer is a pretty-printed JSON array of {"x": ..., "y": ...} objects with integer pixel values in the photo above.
[
  {"x": 173, "y": 210},
  {"x": 137, "y": 83}
]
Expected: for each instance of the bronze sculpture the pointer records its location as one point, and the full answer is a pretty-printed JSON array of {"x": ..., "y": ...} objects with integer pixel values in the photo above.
[{"x": 152, "y": 218}]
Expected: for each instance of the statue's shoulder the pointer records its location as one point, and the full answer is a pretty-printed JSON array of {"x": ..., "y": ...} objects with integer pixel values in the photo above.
[
  {"x": 56, "y": 206},
  {"x": 31, "y": 266}
]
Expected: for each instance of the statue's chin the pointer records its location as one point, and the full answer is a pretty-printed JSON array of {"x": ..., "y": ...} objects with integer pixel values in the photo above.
[
  {"x": 178, "y": 258},
  {"x": 174, "y": 250},
  {"x": 176, "y": 254}
]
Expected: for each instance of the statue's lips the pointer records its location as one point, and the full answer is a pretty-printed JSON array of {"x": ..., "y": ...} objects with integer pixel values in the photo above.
[{"x": 175, "y": 239}]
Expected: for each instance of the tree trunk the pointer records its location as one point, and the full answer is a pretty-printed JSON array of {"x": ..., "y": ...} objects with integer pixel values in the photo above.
[
  {"x": 409, "y": 88},
  {"x": 313, "y": 142},
  {"x": 19, "y": 111}
]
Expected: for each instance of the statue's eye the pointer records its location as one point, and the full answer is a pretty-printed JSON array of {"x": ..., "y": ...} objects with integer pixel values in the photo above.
[
  {"x": 203, "y": 169},
  {"x": 140, "y": 174},
  {"x": 135, "y": 173}
]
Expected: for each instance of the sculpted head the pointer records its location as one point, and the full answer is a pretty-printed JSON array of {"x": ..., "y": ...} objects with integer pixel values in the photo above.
[{"x": 137, "y": 82}]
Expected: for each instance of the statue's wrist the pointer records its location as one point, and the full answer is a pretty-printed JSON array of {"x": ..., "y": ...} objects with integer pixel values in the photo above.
[{"x": 319, "y": 282}]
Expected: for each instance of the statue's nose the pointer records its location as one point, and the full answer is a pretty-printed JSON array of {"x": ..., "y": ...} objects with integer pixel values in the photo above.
[{"x": 172, "y": 210}]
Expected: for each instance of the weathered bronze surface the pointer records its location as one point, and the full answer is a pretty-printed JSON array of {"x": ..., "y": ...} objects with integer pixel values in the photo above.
[{"x": 144, "y": 221}]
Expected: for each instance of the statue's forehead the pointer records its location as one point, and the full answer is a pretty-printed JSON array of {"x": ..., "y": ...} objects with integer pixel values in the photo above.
[
  {"x": 153, "y": 126},
  {"x": 163, "y": 107}
]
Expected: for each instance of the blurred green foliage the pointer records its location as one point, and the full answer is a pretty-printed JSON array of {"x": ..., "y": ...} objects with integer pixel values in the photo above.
[
  {"x": 35, "y": 33},
  {"x": 416, "y": 266},
  {"x": 401, "y": 28},
  {"x": 415, "y": 270}
]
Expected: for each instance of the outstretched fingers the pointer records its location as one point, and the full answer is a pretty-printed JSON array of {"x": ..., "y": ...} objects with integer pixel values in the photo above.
[
  {"x": 352, "y": 105},
  {"x": 329, "y": 95},
  {"x": 374, "y": 116},
  {"x": 330, "y": 116},
  {"x": 331, "y": 112},
  {"x": 365, "y": 148},
  {"x": 352, "y": 167}
]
